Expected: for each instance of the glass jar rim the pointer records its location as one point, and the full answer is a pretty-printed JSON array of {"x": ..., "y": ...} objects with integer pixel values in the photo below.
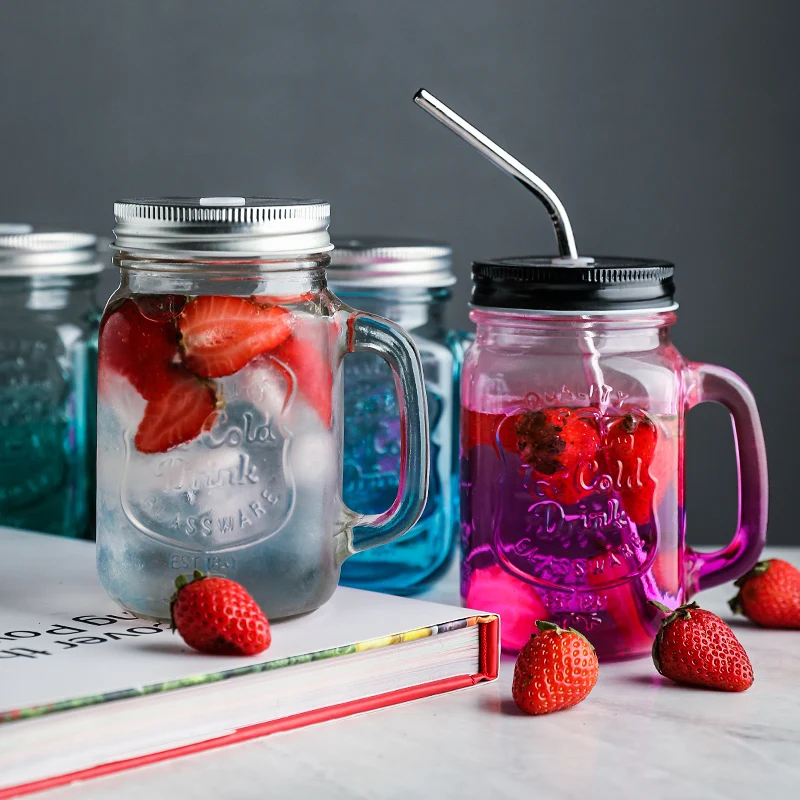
[
  {"x": 203, "y": 264},
  {"x": 645, "y": 317},
  {"x": 49, "y": 254},
  {"x": 565, "y": 315}
]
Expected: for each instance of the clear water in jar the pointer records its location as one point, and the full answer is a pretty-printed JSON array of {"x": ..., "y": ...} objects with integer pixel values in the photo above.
[{"x": 253, "y": 495}]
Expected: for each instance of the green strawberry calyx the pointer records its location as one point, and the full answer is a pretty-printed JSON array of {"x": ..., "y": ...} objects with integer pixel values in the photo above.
[
  {"x": 182, "y": 580},
  {"x": 180, "y": 583},
  {"x": 759, "y": 569},
  {"x": 683, "y": 612},
  {"x": 735, "y": 603},
  {"x": 544, "y": 625}
]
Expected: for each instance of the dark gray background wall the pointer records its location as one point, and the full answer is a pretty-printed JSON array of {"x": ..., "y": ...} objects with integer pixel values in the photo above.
[{"x": 668, "y": 129}]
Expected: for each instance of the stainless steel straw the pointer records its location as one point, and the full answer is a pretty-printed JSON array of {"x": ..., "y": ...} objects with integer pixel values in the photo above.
[
  {"x": 506, "y": 162},
  {"x": 558, "y": 214}
]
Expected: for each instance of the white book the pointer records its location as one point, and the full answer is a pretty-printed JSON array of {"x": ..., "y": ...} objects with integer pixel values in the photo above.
[{"x": 85, "y": 686}]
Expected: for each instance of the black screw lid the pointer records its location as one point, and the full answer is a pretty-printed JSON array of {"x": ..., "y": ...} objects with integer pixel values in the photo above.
[{"x": 545, "y": 283}]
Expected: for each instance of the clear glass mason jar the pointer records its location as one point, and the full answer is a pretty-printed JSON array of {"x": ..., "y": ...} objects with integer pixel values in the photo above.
[
  {"x": 220, "y": 406},
  {"x": 574, "y": 402},
  {"x": 408, "y": 281},
  {"x": 48, "y": 330}
]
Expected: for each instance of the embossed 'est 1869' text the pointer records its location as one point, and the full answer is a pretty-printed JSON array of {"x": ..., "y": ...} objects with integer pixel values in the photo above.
[{"x": 203, "y": 563}]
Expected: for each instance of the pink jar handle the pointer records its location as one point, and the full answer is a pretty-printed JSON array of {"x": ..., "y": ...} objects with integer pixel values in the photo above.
[{"x": 711, "y": 384}]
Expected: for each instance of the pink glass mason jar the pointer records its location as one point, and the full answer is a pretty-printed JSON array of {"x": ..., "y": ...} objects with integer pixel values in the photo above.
[{"x": 572, "y": 444}]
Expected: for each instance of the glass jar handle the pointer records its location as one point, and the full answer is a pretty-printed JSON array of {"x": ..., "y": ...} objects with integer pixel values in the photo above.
[
  {"x": 712, "y": 384},
  {"x": 373, "y": 334}
]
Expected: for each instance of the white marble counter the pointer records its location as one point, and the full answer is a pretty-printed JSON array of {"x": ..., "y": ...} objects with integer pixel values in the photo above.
[{"x": 636, "y": 736}]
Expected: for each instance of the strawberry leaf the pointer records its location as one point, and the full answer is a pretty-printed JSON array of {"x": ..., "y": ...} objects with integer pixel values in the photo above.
[
  {"x": 758, "y": 569},
  {"x": 661, "y": 607}
]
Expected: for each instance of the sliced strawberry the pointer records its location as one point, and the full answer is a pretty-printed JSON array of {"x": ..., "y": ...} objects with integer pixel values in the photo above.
[
  {"x": 308, "y": 362},
  {"x": 629, "y": 449},
  {"x": 178, "y": 414},
  {"x": 664, "y": 468},
  {"x": 221, "y": 334},
  {"x": 138, "y": 347},
  {"x": 561, "y": 446},
  {"x": 139, "y": 341}
]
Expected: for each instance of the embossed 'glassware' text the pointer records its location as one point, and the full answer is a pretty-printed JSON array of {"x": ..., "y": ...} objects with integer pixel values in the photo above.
[
  {"x": 571, "y": 444},
  {"x": 220, "y": 407},
  {"x": 263, "y": 459},
  {"x": 572, "y": 475}
]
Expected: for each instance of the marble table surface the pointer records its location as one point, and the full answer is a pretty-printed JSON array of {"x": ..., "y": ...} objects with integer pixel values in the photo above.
[{"x": 636, "y": 736}]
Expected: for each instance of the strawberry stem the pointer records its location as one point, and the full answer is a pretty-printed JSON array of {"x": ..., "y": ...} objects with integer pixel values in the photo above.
[
  {"x": 758, "y": 569},
  {"x": 660, "y": 606},
  {"x": 681, "y": 612},
  {"x": 735, "y": 604},
  {"x": 545, "y": 625}
]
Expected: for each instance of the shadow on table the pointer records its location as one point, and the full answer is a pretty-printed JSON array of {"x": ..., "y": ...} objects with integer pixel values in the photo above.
[
  {"x": 659, "y": 681},
  {"x": 501, "y": 705}
]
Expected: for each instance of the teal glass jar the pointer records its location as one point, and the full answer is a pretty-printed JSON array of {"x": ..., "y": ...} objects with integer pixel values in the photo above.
[
  {"x": 408, "y": 281},
  {"x": 48, "y": 345}
]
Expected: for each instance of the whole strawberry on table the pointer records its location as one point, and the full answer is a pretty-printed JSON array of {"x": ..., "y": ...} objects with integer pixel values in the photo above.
[
  {"x": 218, "y": 616},
  {"x": 696, "y": 647},
  {"x": 556, "y": 669},
  {"x": 769, "y": 595}
]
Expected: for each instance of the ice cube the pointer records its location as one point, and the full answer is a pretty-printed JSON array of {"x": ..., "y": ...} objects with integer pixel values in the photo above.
[
  {"x": 313, "y": 458},
  {"x": 118, "y": 396},
  {"x": 263, "y": 383}
]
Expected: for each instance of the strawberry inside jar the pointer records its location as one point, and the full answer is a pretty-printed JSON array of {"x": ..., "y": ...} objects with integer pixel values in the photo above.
[{"x": 219, "y": 408}]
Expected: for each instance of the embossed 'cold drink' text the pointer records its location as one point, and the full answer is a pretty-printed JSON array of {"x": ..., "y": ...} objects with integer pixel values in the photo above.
[
  {"x": 572, "y": 476},
  {"x": 220, "y": 406},
  {"x": 574, "y": 534},
  {"x": 245, "y": 497},
  {"x": 573, "y": 405}
]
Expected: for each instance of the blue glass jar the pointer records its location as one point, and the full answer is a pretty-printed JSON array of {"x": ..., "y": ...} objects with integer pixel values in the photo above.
[
  {"x": 48, "y": 345},
  {"x": 407, "y": 281}
]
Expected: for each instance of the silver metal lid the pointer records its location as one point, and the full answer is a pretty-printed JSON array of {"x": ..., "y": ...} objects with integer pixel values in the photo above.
[
  {"x": 48, "y": 253},
  {"x": 7, "y": 228},
  {"x": 391, "y": 262},
  {"x": 222, "y": 226}
]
